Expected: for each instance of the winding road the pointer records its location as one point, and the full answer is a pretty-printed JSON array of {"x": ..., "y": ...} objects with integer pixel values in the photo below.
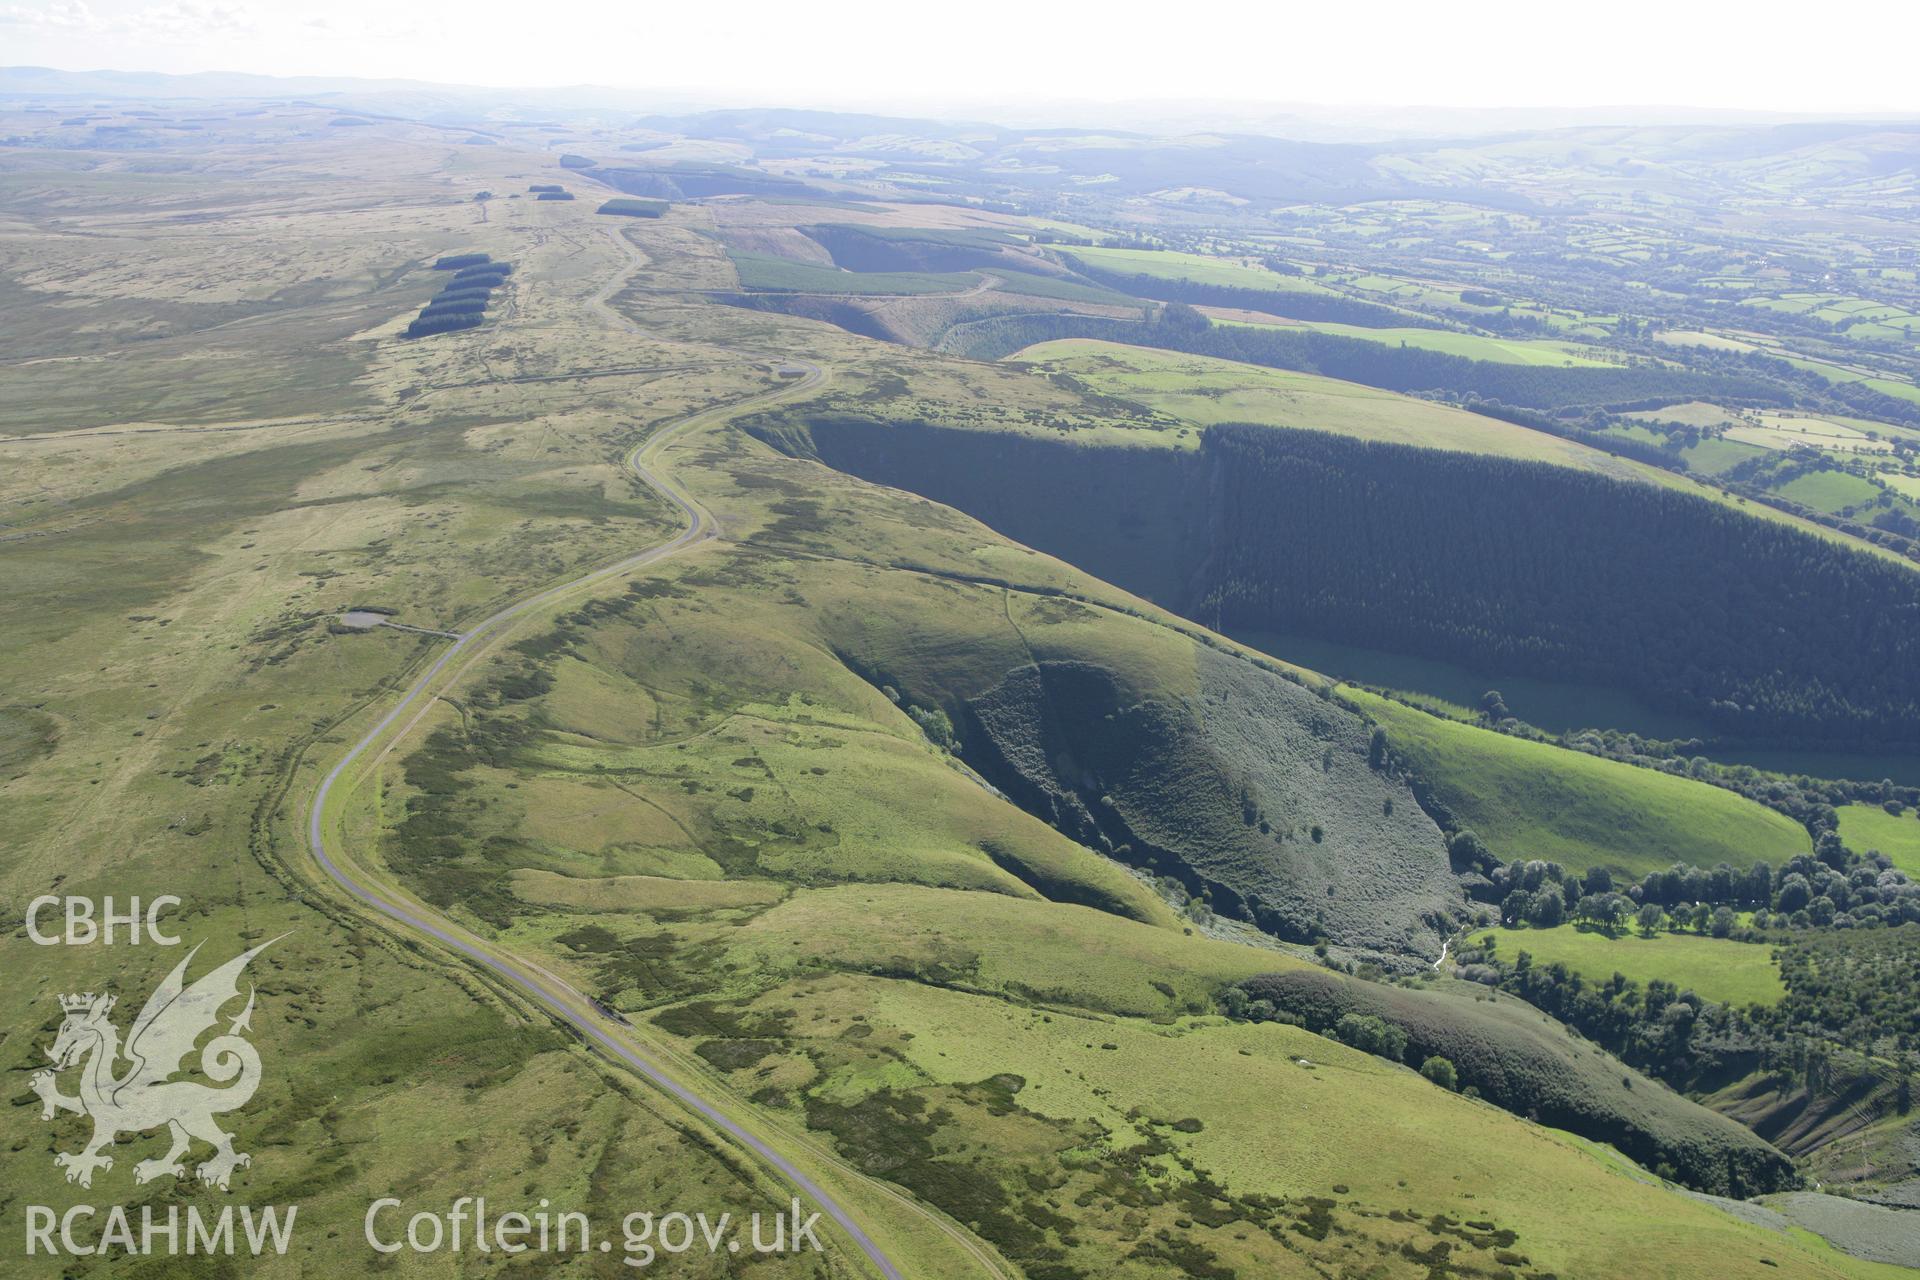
[{"x": 562, "y": 1001}]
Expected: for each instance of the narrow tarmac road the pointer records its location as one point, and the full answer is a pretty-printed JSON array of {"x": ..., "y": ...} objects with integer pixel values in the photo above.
[{"x": 560, "y": 1000}]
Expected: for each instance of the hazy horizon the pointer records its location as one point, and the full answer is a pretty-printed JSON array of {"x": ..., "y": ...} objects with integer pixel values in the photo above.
[{"x": 1497, "y": 55}]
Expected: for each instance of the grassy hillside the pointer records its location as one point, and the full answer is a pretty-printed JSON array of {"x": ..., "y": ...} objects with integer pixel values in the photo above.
[
  {"x": 1719, "y": 969},
  {"x": 1868, "y": 826},
  {"x": 1124, "y": 734},
  {"x": 934, "y": 1015},
  {"x": 1520, "y": 1059},
  {"x": 1162, "y": 264},
  {"x": 1533, "y": 800},
  {"x": 981, "y": 1032},
  {"x": 730, "y": 793},
  {"x": 1205, "y": 391},
  {"x": 1473, "y": 346},
  {"x": 1263, "y": 802},
  {"x": 168, "y": 597}
]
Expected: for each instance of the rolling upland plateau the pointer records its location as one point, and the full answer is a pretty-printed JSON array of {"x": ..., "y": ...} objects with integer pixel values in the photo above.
[{"x": 949, "y": 678}]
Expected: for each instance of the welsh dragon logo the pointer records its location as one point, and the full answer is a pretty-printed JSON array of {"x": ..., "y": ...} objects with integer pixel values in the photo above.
[{"x": 145, "y": 1096}]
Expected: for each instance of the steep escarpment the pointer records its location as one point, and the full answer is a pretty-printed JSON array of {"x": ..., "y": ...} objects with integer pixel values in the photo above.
[
  {"x": 1767, "y": 631},
  {"x": 1258, "y": 794}
]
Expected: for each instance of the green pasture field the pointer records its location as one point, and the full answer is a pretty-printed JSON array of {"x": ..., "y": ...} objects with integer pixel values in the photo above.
[
  {"x": 1841, "y": 436},
  {"x": 1420, "y": 293},
  {"x": 1712, "y": 457},
  {"x": 1163, "y": 264},
  {"x": 1534, "y": 800},
  {"x": 1894, "y": 387},
  {"x": 1744, "y": 434},
  {"x": 1637, "y": 435},
  {"x": 1693, "y": 413},
  {"x": 1733, "y": 973},
  {"x": 1871, "y": 321},
  {"x": 1868, "y": 826},
  {"x": 1907, "y": 486}
]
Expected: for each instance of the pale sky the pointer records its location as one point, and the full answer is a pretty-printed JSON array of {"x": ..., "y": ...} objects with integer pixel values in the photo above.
[{"x": 1761, "y": 55}]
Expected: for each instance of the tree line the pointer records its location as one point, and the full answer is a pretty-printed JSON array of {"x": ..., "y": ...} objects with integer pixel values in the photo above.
[{"x": 1832, "y": 887}]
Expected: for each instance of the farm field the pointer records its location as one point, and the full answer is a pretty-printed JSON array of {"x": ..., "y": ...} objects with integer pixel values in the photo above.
[
  {"x": 1900, "y": 390},
  {"x": 1743, "y": 436},
  {"x": 1533, "y": 800},
  {"x": 1866, "y": 826},
  {"x": 1734, "y": 973},
  {"x": 1692, "y": 413},
  {"x": 1858, "y": 318},
  {"x": 1829, "y": 491},
  {"x": 1906, "y": 485},
  {"x": 1782, "y": 431},
  {"x": 1713, "y": 456}
]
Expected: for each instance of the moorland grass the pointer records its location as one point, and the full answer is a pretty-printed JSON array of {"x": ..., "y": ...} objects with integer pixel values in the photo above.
[
  {"x": 1358, "y": 1131},
  {"x": 185, "y": 671}
]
